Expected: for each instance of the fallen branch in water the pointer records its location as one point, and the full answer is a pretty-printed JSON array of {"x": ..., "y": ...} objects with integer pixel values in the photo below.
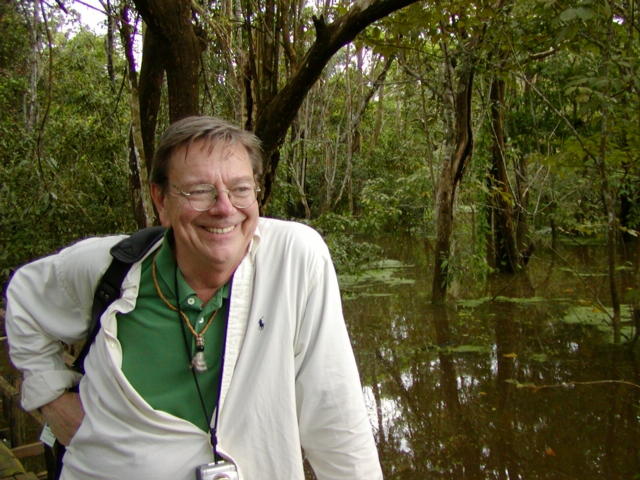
[{"x": 535, "y": 387}]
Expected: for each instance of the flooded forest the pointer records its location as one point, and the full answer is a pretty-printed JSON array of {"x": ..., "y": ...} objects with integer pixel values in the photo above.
[{"x": 472, "y": 165}]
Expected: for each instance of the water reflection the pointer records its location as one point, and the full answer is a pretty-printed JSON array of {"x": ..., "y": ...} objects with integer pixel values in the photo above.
[{"x": 498, "y": 389}]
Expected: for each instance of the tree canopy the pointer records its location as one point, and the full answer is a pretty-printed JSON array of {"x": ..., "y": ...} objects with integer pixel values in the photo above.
[{"x": 505, "y": 122}]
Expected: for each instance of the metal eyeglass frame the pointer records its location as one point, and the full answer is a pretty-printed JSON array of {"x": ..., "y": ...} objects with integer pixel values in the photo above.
[{"x": 214, "y": 195}]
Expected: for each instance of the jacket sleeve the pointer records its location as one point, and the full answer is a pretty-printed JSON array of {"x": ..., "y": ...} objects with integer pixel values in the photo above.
[
  {"x": 335, "y": 432},
  {"x": 49, "y": 303}
]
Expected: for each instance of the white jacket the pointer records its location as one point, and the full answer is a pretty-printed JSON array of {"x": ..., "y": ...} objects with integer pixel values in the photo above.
[{"x": 289, "y": 378}]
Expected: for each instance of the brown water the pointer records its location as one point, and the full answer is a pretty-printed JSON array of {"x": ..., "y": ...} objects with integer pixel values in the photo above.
[
  {"x": 507, "y": 386},
  {"x": 522, "y": 383}
]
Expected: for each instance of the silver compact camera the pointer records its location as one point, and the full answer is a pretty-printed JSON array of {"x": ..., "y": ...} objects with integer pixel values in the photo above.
[{"x": 217, "y": 471}]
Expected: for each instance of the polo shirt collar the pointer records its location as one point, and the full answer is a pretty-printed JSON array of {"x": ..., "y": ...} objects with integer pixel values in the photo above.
[
  {"x": 166, "y": 268},
  {"x": 255, "y": 242}
]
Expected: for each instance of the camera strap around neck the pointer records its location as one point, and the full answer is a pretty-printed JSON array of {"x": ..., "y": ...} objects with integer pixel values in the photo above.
[{"x": 213, "y": 429}]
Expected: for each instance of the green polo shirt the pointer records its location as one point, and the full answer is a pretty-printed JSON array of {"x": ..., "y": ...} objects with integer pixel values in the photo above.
[{"x": 155, "y": 359}]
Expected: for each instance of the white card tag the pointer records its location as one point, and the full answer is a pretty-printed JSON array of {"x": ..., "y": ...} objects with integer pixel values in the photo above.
[{"x": 47, "y": 437}]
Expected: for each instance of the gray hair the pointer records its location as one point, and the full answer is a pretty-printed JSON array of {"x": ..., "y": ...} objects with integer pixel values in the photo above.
[{"x": 210, "y": 129}]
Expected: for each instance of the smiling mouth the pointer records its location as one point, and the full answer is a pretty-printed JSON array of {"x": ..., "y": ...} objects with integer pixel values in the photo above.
[{"x": 219, "y": 230}]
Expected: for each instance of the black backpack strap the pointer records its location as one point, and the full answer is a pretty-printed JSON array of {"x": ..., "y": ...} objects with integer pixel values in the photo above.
[{"x": 125, "y": 253}]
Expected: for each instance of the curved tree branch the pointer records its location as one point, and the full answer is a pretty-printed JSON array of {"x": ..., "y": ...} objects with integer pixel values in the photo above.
[{"x": 274, "y": 120}]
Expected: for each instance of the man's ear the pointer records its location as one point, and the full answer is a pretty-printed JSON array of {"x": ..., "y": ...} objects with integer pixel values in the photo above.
[{"x": 159, "y": 197}]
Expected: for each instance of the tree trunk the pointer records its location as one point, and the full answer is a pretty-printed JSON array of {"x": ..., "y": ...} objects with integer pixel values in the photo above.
[
  {"x": 449, "y": 179},
  {"x": 612, "y": 229},
  {"x": 298, "y": 162},
  {"x": 504, "y": 254},
  {"x": 150, "y": 90},
  {"x": 608, "y": 200},
  {"x": 140, "y": 197},
  {"x": 524, "y": 243},
  {"x": 172, "y": 26},
  {"x": 31, "y": 96},
  {"x": 110, "y": 42}
]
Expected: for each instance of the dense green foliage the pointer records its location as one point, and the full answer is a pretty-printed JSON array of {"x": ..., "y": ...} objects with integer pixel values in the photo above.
[
  {"x": 364, "y": 154},
  {"x": 65, "y": 176}
]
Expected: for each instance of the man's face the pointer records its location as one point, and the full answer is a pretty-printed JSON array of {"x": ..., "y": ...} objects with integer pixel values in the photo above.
[{"x": 219, "y": 237}]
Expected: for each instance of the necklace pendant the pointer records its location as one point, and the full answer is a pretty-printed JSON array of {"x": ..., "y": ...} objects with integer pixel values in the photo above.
[{"x": 198, "y": 362}]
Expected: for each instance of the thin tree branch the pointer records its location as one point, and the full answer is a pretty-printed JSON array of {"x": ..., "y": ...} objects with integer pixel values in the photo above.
[{"x": 535, "y": 388}]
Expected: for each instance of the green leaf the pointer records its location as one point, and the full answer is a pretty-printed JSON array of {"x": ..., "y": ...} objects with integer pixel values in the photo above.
[{"x": 578, "y": 13}]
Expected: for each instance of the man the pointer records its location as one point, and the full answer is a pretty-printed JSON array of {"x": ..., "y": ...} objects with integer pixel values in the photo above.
[{"x": 228, "y": 336}]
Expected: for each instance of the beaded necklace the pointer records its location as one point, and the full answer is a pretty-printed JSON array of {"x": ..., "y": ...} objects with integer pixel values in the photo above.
[{"x": 198, "y": 361}]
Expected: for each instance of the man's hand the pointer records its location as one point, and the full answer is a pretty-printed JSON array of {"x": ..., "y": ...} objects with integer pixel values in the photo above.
[{"x": 64, "y": 416}]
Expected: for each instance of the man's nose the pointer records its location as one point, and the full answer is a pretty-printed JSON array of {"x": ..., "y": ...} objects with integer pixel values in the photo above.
[{"x": 222, "y": 202}]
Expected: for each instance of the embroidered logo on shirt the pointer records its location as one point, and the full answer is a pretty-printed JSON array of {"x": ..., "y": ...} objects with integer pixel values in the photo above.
[{"x": 261, "y": 324}]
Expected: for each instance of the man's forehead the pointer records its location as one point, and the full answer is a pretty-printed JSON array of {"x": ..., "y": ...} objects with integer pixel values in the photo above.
[
  {"x": 219, "y": 148},
  {"x": 195, "y": 163}
]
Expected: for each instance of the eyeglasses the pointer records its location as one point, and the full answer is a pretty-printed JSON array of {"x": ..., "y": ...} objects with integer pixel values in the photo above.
[{"x": 203, "y": 197}]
